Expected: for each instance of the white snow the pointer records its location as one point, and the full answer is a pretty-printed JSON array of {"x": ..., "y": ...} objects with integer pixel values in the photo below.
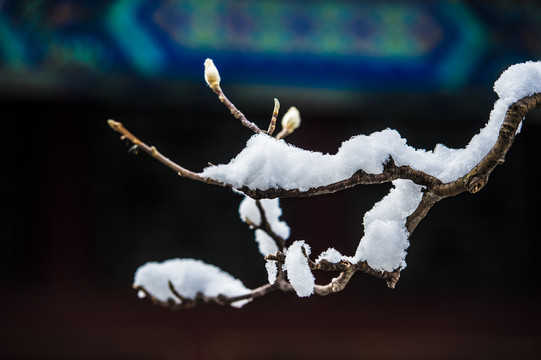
[
  {"x": 269, "y": 163},
  {"x": 188, "y": 276},
  {"x": 265, "y": 243},
  {"x": 298, "y": 271},
  {"x": 385, "y": 239},
  {"x": 272, "y": 271},
  {"x": 331, "y": 255},
  {"x": 248, "y": 210},
  {"x": 518, "y": 81}
]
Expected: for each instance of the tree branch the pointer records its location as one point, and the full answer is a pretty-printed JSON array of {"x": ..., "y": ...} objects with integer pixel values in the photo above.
[
  {"x": 152, "y": 151},
  {"x": 183, "y": 302},
  {"x": 390, "y": 173},
  {"x": 434, "y": 190},
  {"x": 266, "y": 227},
  {"x": 477, "y": 178}
]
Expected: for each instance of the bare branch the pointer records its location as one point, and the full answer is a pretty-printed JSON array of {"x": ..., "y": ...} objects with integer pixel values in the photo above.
[
  {"x": 281, "y": 284},
  {"x": 170, "y": 304},
  {"x": 282, "y": 134},
  {"x": 212, "y": 77},
  {"x": 175, "y": 292},
  {"x": 234, "y": 111},
  {"x": 152, "y": 151},
  {"x": 337, "y": 284}
]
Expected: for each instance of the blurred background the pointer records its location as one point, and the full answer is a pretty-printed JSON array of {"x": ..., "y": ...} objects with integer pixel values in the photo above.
[{"x": 80, "y": 213}]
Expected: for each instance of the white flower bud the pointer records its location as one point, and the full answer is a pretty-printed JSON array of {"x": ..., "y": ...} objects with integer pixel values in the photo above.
[
  {"x": 212, "y": 76},
  {"x": 291, "y": 119}
]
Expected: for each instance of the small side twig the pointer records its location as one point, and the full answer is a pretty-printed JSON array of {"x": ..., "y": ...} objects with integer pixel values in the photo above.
[
  {"x": 272, "y": 124},
  {"x": 337, "y": 284},
  {"x": 282, "y": 134},
  {"x": 266, "y": 227},
  {"x": 176, "y": 293},
  {"x": 152, "y": 151},
  {"x": 212, "y": 77},
  {"x": 234, "y": 111}
]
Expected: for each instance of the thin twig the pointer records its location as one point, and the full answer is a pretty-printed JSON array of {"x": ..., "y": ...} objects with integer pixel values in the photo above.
[
  {"x": 337, "y": 284},
  {"x": 170, "y": 304},
  {"x": 267, "y": 228},
  {"x": 233, "y": 109},
  {"x": 152, "y": 151},
  {"x": 176, "y": 293},
  {"x": 282, "y": 134},
  {"x": 272, "y": 124}
]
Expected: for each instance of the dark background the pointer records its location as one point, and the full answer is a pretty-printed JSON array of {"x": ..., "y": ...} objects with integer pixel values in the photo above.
[{"x": 80, "y": 213}]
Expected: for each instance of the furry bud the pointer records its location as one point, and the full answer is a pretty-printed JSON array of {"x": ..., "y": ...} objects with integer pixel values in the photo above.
[{"x": 212, "y": 76}]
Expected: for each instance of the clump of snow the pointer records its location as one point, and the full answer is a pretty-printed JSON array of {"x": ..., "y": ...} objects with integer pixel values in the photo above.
[
  {"x": 385, "y": 239},
  {"x": 265, "y": 243},
  {"x": 272, "y": 271},
  {"x": 331, "y": 255},
  {"x": 188, "y": 276},
  {"x": 518, "y": 81},
  {"x": 248, "y": 210},
  {"x": 298, "y": 271},
  {"x": 269, "y": 163}
]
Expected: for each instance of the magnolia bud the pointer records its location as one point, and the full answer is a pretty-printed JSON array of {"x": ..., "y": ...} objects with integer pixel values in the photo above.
[
  {"x": 291, "y": 119},
  {"x": 212, "y": 76}
]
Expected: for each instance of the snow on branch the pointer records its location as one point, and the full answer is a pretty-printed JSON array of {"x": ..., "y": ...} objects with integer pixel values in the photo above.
[
  {"x": 185, "y": 282},
  {"x": 263, "y": 216},
  {"x": 269, "y": 168},
  {"x": 298, "y": 269}
]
